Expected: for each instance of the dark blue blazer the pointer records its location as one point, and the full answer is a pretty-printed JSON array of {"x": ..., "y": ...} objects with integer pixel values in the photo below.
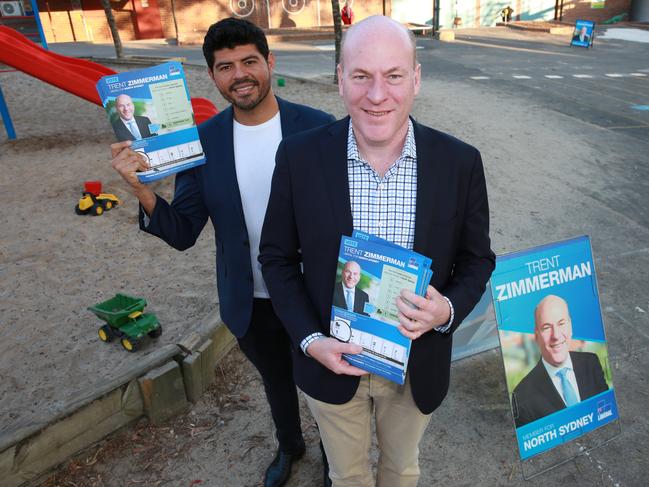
[
  {"x": 308, "y": 211},
  {"x": 211, "y": 191}
]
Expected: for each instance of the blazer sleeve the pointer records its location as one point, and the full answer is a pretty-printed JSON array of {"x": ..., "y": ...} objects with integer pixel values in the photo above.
[
  {"x": 281, "y": 259},
  {"x": 474, "y": 260},
  {"x": 181, "y": 222}
]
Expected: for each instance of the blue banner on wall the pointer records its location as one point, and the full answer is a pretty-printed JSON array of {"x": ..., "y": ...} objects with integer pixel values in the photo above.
[{"x": 553, "y": 344}]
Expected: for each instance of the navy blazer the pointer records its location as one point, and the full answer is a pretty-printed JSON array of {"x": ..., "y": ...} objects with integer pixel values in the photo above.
[
  {"x": 309, "y": 210},
  {"x": 536, "y": 397},
  {"x": 211, "y": 191}
]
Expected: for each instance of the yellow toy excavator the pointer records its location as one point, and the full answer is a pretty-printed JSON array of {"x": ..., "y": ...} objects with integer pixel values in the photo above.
[{"x": 95, "y": 202}]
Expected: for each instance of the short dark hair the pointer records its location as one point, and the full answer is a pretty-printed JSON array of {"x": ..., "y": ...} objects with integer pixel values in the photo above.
[{"x": 230, "y": 33}]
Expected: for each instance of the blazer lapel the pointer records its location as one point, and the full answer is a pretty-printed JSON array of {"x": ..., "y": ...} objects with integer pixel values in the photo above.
[
  {"x": 226, "y": 149},
  {"x": 333, "y": 161},
  {"x": 289, "y": 118},
  {"x": 428, "y": 177},
  {"x": 550, "y": 393}
]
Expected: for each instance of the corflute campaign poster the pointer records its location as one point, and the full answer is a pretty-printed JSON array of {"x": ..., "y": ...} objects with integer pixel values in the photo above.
[{"x": 553, "y": 344}]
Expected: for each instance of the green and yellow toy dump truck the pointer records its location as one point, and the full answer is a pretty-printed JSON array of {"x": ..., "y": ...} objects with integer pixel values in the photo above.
[{"x": 126, "y": 321}]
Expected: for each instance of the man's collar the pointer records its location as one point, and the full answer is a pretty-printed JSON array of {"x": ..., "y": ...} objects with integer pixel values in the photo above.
[
  {"x": 409, "y": 149},
  {"x": 552, "y": 370}
]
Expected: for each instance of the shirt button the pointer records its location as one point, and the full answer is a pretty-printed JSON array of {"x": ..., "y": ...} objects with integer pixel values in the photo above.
[{"x": 380, "y": 187}]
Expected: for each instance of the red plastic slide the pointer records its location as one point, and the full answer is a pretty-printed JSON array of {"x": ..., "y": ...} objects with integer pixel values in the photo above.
[{"x": 73, "y": 75}]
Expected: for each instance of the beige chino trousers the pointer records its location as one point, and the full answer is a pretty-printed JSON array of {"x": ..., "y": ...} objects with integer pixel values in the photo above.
[{"x": 345, "y": 430}]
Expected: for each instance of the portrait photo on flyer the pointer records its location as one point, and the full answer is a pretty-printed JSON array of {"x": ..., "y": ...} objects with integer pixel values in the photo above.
[{"x": 553, "y": 344}]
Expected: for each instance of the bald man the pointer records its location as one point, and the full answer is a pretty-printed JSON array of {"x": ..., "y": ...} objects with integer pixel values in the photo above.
[
  {"x": 561, "y": 378},
  {"x": 380, "y": 172},
  {"x": 129, "y": 126},
  {"x": 346, "y": 293}
]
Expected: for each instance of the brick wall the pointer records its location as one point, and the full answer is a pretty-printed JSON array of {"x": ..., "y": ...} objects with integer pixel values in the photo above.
[
  {"x": 581, "y": 9},
  {"x": 84, "y": 20},
  {"x": 66, "y": 20},
  {"x": 195, "y": 18}
]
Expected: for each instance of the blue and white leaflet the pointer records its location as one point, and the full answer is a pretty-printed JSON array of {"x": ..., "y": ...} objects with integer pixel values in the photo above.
[
  {"x": 152, "y": 107},
  {"x": 382, "y": 270}
]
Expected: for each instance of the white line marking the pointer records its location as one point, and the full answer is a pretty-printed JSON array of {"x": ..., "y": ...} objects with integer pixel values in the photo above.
[
  {"x": 479, "y": 77},
  {"x": 553, "y": 76},
  {"x": 582, "y": 76},
  {"x": 521, "y": 76},
  {"x": 614, "y": 75},
  {"x": 638, "y": 74}
]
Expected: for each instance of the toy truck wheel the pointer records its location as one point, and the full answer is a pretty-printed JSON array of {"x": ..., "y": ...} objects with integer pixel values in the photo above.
[
  {"x": 129, "y": 344},
  {"x": 105, "y": 334},
  {"x": 108, "y": 205},
  {"x": 155, "y": 333},
  {"x": 78, "y": 210},
  {"x": 97, "y": 209}
]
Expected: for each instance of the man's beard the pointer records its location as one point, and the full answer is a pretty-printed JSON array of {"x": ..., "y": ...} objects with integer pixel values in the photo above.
[{"x": 247, "y": 103}]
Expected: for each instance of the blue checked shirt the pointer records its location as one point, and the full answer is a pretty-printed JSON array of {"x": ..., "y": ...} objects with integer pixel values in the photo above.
[{"x": 385, "y": 207}]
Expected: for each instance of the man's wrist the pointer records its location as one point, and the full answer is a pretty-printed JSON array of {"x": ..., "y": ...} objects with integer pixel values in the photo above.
[
  {"x": 147, "y": 199},
  {"x": 304, "y": 344},
  {"x": 447, "y": 326}
]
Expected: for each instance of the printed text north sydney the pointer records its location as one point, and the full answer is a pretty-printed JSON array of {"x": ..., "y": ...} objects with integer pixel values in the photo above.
[{"x": 553, "y": 434}]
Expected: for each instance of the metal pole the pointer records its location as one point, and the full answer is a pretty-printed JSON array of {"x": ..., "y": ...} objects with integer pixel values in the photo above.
[
  {"x": 6, "y": 118},
  {"x": 37, "y": 18},
  {"x": 435, "y": 16}
]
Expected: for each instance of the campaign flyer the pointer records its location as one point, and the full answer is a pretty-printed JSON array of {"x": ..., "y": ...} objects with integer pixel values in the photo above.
[
  {"x": 370, "y": 277},
  {"x": 152, "y": 108},
  {"x": 553, "y": 344}
]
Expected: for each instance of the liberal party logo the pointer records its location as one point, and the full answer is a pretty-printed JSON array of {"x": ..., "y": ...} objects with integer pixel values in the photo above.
[{"x": 604, "y": 410}]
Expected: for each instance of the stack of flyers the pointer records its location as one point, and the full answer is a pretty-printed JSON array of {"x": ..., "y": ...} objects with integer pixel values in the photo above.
[{"x": 371, "y": 274}]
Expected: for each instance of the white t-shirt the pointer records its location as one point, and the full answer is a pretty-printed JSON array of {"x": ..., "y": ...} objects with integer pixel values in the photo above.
[{"x": 254, "y": 159}]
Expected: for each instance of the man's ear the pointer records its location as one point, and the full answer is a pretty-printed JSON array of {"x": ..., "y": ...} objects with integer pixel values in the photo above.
[
  {"x": 210, "y": 73},
  {"x": 271, "y": 62},
  {"x": 339, "y": 71},
  {"x": 417, "y": 78}
]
